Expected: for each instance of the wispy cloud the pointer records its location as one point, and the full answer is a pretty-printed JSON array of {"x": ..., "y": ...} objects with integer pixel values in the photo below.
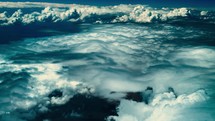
[{"x": 31, "y": 4}]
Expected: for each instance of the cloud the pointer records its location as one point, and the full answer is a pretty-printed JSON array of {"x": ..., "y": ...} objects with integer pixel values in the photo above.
[
  {"x": 32, "y": 5},
  {"x": 51, "y": 17},
  {"x": 164, "y": 106},
  {"x": 113, "y": 57},
  {"x": 92, "y": 14}
]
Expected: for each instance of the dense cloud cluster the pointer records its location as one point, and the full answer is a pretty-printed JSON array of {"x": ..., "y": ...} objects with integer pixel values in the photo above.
[
  {"x": 105, "y": 60},
  {"x": 152, "y": 71},
  {"x": 93, "y": 14},
  {"x": 164, "y": 106}
]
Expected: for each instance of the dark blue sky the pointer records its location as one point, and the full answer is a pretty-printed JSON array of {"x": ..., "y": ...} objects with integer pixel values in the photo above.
[{"x": 155, "y": 3}]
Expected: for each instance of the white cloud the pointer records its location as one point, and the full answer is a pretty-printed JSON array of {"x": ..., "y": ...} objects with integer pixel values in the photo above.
[
  {"x": 32, "y": 5},
  {"x": 164, "y": 106},
  {"x": 84, "y": 13}
]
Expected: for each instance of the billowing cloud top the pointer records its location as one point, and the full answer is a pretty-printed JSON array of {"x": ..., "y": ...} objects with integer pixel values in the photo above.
[{"x": 93, "y": 14}]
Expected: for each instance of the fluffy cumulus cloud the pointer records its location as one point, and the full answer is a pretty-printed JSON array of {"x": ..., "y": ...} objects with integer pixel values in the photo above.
[
  {"x": 164, "y": 106},
  {"x": 88, "y": 14}
]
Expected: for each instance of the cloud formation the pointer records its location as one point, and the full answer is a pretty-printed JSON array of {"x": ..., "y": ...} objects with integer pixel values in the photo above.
[{"x": 93, "y": 14}]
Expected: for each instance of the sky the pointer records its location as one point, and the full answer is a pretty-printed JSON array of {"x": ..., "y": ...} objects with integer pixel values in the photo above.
[{"x": 154, "y": 3}]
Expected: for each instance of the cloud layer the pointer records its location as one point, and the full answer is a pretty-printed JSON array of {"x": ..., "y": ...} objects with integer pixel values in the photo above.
[{"x": 93, "y": 14}]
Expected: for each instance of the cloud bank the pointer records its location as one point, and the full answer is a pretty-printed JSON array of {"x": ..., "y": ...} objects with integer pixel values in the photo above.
[{"x": 93, "y": 14}]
